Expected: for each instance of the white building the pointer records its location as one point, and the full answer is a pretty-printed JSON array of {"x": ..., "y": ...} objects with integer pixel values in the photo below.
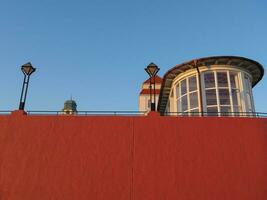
[
  {"x": 220, "y": 85},
  {"x": 144, "y": 97}
]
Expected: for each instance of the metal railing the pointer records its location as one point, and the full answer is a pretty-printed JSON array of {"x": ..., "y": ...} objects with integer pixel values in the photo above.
[
  {"x": 5, "y": 112},
  {"x": 89, "y": 113},
  {"x": 143, "y": 113},
  {"x": 216, "y": 114}
]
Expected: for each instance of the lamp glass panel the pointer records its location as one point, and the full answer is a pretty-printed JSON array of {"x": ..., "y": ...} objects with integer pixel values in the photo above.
[
  {"x": 28, "y": 69},
  {"x": 152, "y": 70}
]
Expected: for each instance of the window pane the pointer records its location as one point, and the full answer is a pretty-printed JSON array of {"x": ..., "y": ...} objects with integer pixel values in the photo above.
[
  {"x": 193, "y": 100},
  {"x": 222, "y": 79},
  {"x": 192, "y": 83},
  {"x": 235, "y": 94},
  {"x": 178, "y": 90},
  {"x": 212, "y": 111},
  {"x": 249, "y": 102},
  {"x": 179, "y": 106},
  {"x": 233, "y": 80},
  {"x": 195, "y": 112},
  {"x": 184, "y": 103},
  {"x": 247, "y": 82},
  {"x": 224, "y": 97},
  {"x": 236, "y": 109},
  {"x": 183, "y": 87},
  {"x": 209, "y": 80},
  {"x": 225, "y": 110},
  {"x": 211, "y": 97}
]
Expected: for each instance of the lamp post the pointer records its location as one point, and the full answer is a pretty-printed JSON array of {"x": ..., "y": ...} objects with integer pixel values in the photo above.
[
  {"x": 27, "y": 70},
  {"x": 152, "y": 71}
]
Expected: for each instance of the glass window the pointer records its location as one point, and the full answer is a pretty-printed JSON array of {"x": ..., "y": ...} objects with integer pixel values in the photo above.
[
  {"x": 222, "y": 79},
  {"x": 233, "y": 80},
  {"x": 179, "y": 105},
  {"x": 235, "y": 94},
  {"x": 225, "y": 110},
  {"x": 224, "y": 97},
  {"x": 235, "y": 91},
  {"x": 236, "y": 109},
  {"x": 192, "y": 84},
  {"x": 248, "y": 93},
  {"x": 212, "y": 111},
  {"x": 194, "y": 112},
  {"x": 249, "y": 101},
  {"x": 183, "y": 87},
  {"x": 178, "y": 90},
  {"x": 211, "y": 97},
  {"x": 209, "y": 80},
  {"x": 187, "y": 95},
  {"x": 184, "y": 103},
  {"x": 222, "y": 92},
  {"x": 193, "y": 100}
]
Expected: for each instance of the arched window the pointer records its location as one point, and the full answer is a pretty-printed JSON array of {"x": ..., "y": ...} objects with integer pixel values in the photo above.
[{"x": 187, "y": 95}]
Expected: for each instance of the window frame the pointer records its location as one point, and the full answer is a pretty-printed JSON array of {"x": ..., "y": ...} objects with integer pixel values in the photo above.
[
  {"x": 179, "y": 95},
  {"x": 229, "y": 87}
]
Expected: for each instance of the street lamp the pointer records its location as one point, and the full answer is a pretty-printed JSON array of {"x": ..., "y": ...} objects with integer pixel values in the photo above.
[
  {"x": 27, "y": 70},
  {"x": 152, "y": 71}
]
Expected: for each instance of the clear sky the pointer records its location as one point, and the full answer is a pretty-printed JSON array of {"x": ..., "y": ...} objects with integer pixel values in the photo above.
[{"x": 96, "y": 50}]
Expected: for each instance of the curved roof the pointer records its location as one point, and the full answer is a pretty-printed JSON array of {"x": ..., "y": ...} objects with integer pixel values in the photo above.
[{"x": 254, "y": 68}]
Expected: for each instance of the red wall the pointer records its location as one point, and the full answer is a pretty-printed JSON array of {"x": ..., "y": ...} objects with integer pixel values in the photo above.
[{"x": 132, "y": 158}]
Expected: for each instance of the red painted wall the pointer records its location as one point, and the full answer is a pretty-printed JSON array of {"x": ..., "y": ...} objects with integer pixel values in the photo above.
[{"x": 132, "y": 158}]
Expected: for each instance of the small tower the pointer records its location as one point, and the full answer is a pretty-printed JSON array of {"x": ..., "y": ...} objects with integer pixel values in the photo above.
[
  {"x": 144, "y": 96},
  {"x": 70, "y": 107}
]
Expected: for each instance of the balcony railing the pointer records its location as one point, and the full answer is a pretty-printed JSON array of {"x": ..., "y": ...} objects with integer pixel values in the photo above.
[
  {"x": 216, "y": 114},
  {"x": 89, "y": 113},
  {"x": 80, "y": 113}
]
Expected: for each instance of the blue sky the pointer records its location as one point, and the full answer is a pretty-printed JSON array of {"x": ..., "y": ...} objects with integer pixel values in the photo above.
[{"x": 97, "y": 50}]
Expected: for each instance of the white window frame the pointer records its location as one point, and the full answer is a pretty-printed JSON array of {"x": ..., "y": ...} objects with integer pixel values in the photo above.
[
  {"x": 178, "y": 97},
  {"x": 239, "y": 89}
]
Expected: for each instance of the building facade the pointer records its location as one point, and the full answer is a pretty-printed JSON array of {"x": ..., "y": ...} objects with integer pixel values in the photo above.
[{"x": 144, "y": 96}]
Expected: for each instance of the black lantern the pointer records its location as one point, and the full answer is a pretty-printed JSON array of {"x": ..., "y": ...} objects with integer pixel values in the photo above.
[
  {"x": 152, "y": 71},
  {"x": 27, "y": 70}
]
